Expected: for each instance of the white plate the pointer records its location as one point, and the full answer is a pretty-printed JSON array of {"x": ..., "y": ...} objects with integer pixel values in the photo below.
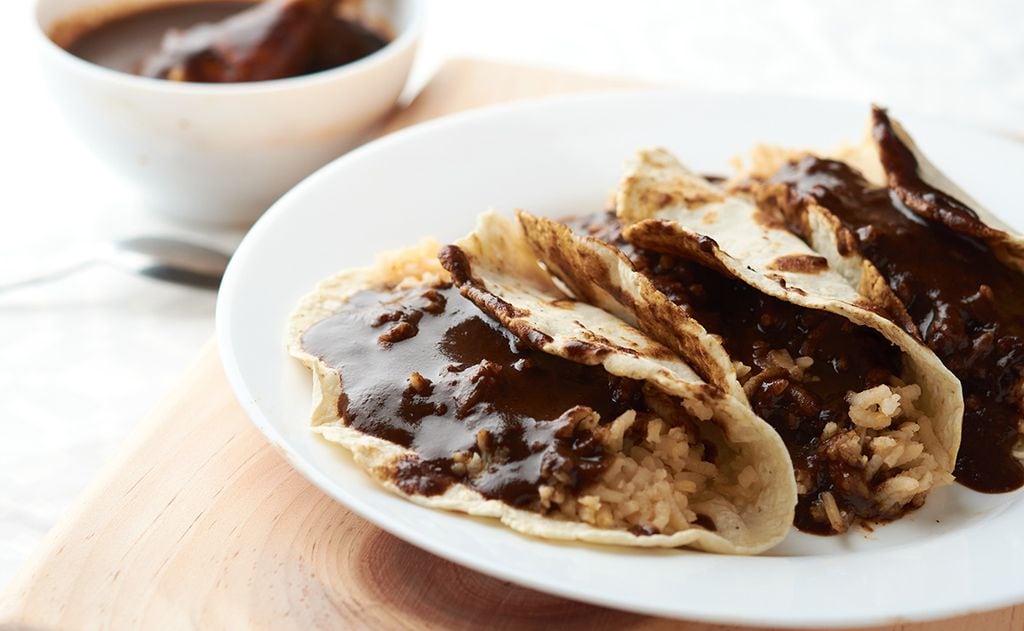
[{"x": 963, "y": 552}]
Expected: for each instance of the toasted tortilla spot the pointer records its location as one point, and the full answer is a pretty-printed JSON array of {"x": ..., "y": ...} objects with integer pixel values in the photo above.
[
  {"x": 803, "y": 263},
  {"x": 769, "y": 220},
  {"x": 589, "y": 352},
  {"x": 846, "y": 241}
]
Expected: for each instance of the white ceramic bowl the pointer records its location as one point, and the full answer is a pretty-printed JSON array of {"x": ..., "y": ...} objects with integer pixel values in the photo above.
[{"x": 222, "y": 153}]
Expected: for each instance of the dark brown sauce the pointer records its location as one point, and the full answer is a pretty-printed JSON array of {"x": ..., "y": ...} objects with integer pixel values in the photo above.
[
  {"x": 847, "y": 357},
  {"x": 423, "y": 368},
  {"x": 900, "y": 166},
  {"x": 228, "y": 42},
  {"x": 968, "y": 306}
]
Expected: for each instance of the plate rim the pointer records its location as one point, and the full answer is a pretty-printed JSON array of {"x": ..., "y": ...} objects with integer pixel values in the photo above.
[{"x": 249, "y": 401}]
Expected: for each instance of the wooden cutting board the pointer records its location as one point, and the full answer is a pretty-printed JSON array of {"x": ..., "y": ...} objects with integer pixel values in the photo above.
[{"x": 200, "y": 523}]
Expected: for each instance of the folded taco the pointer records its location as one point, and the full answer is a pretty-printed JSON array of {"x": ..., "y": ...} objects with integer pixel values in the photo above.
[
  {"x": 956, "y": 272},
  {"x": 870, "y": 416},
  {"x": 473, "y": 384}
]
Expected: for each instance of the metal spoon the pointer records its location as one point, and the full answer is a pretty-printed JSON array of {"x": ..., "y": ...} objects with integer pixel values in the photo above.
[{"x": 163, "y": 258}]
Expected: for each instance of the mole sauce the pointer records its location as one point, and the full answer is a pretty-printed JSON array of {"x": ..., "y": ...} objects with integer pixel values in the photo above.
[
  {"x": 967, "y": 305},
  {"x": 227, "y": 42},
  {"x": 425, "y": 369},
  {"x": 847, "y": 358}
]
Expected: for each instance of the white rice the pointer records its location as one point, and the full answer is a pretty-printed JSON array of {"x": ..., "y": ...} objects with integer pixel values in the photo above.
[
  {"x": 886, "y": 444},
  {"x": 650, "y": 485},
  {"x": 884, "y": 440}
]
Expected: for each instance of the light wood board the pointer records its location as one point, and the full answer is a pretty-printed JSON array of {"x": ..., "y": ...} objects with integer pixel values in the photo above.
[{"x": 199, "y": 523}]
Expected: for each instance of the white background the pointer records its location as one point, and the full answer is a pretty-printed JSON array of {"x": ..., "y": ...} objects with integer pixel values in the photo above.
[{"x": 81, "y": 361}]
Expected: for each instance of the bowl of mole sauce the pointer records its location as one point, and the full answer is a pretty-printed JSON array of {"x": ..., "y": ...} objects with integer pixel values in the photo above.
[{"x": 214, "y": 108}]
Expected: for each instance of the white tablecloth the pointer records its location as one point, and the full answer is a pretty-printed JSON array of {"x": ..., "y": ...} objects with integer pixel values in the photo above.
[{"x": 84, "y": 359}]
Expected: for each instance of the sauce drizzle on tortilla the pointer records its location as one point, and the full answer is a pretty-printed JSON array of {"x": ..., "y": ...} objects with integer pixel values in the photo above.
[{"x": 425, "y": 369}]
